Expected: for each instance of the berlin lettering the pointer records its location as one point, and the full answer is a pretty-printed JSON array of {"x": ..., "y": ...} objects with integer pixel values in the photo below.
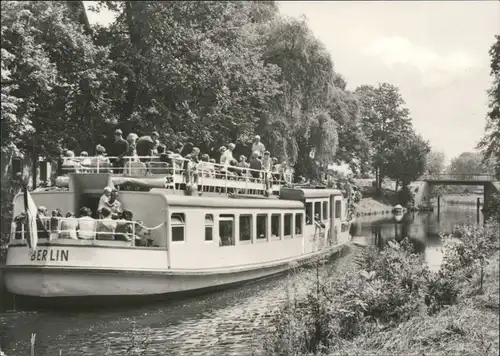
[{"x": 52, "y": 255}]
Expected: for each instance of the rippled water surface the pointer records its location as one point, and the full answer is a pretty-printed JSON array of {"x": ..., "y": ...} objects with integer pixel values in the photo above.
[{"x": 232, "y": 322}]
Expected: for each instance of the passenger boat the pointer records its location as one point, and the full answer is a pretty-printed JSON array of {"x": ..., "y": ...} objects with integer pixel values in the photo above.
[{"x": 229, "y": 230}]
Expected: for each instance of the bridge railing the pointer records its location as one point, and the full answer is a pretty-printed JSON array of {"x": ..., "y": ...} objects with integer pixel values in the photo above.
[{"x": 484, "y": 177}]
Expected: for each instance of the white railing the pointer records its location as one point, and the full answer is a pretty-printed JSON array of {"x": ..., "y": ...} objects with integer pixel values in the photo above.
[
  {"x": 203, "y": 173},
  {"x": 130, "y": 237}
]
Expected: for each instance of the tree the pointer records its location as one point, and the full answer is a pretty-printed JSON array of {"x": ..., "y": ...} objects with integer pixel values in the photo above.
[
  {"x": 353, "y": 147},
  {"x": 406, "y": 161},
  {"x": 193, "y": 69},
  {"x": 301, "y": 126},
  {"x": 54, "y": 80},
  {"x": 468, "y": 163},
  {"x": 385, "y": 122},
  {"x": 490, "y": 144},
  {"x": 435, "y": 163}
]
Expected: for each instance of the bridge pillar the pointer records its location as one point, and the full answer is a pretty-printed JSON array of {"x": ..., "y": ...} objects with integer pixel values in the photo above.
[{"x": 478, "y": 209}]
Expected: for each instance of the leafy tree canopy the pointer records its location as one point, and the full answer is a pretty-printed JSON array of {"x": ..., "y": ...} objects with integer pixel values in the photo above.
[{"x": 490, "y": 144}]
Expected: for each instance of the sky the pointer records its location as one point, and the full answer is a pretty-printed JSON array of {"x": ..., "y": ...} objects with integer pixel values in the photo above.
[{"x": 436, "y": 52}]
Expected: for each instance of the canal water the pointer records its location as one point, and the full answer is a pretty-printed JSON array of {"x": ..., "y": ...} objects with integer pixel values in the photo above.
[{"x": 231, "y": 322}]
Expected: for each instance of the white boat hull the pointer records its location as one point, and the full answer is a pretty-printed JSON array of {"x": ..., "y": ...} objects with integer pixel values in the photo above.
[{"x": 67, "y": 282}]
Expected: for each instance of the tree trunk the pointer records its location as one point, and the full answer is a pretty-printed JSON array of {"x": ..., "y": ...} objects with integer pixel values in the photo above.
[
  {"x": 132, "y": 85},
  {"x": 34, "y": 166}
]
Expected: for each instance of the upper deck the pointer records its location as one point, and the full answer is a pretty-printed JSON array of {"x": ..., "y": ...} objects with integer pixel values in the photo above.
[{"x": 176, "y": 173}]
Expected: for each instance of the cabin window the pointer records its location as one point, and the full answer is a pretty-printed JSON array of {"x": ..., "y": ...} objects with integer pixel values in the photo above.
[
  {"x": 178, "y": 225},
  {"x": 226, "y": 230},
  {"x": 288, "y": 225},
  {"x": 276, "y": 226},
  {"x": 245, "y": 227},
  {"x": 338, "y": 209},
  {"x": 298, "y": 224},
  {"x": 309, "y": 213},
  {"x": 209, "y": 227},
  {"x": 317, "y": 210},
  {"x": 261, "y": 226},
  {"x": 325, "y": 210}
]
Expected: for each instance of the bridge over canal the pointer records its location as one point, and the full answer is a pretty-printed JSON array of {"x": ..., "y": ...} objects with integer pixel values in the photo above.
[{"x": 490, "y": 184}]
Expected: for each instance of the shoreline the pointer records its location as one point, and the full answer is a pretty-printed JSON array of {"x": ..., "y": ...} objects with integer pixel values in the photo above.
[{"x": 369, "y": 206}]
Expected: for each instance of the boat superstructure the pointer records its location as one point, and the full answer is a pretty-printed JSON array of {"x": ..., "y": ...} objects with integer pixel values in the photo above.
[{"x": 228, "y": 230}]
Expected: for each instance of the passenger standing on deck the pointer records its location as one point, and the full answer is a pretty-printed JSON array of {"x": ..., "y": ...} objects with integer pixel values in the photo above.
[
  {"x": 104, "y": 200},
  {"x": 177, "y": 159},
  {"x": 70, "y": 164},
  {"x": 228, "y": 155},
  {"x": 100, "y": 163},
  {"x": 86, "y": 225},
  {"x": 54, "y": 225},
  {"x": 85, "y": 161},
  {"x": 243, "y": 164},
  {"x": 258, "y": 146},
  {"x": 255, "y": 165},
  {"x": 68, "y": 227},
  {"x": 105, "y": 229},
  {"x": 132, "y": 149},
  {"x": 119, "y": 149},
  {"x": 223, "y": 157},
  {"x": 43, "y": 222},
  {"x": 156, "y": 142},
  {"x": 267, "y": 165},
  {"x": 114, "y": 205}
]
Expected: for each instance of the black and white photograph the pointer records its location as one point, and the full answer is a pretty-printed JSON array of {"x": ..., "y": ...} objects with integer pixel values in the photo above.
[{"x": 254, "y": 178}]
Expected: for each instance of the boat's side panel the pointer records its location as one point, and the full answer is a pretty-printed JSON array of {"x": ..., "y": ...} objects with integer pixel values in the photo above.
[
  {"x": 196, "y": 252},
  {"x": 73, "y": 282},
  {"x": 88, "y": 256}
]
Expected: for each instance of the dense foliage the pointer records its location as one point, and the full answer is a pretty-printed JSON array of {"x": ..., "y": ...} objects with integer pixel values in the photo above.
[
  {"x": 203, "y": 72},
  {"x": 491, "y": 140},
  {"x": 469, "y": 163},
  {"x": 390, "y": 288},
  {"x": 397, "y": 151},
  {"x": 436, "y": 163}
]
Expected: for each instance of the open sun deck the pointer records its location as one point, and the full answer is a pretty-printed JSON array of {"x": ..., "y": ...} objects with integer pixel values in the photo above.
[{"x": 205, "y": 176}]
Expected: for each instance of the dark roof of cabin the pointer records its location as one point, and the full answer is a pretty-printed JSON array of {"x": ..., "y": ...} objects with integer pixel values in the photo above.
[
  {"x": 300, "y": 194},
  {"x": 222, "y": 202}
]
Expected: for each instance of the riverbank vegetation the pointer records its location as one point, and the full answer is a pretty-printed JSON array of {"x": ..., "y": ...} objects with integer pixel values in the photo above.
[{"x": 394, "y": 304}]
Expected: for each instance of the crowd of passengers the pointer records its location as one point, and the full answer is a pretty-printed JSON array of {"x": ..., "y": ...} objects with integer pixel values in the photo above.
[
  {"x": 130, "y": 154},
  {"x": 113, "y": 223}
]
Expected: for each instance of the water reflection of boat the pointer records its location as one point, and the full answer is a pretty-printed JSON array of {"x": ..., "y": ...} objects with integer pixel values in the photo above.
[
  {"x": 197, "y": 243},
  {"x": 399, "y": 217}
]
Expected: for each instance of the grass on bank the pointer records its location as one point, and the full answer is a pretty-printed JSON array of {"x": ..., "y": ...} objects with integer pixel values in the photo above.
[
  {"x": 394, "y": 305},
  {"x": 467, "y": 328}
]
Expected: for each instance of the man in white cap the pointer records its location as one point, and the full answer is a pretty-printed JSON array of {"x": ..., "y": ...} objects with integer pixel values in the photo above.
[{"x": 257, "y": 146}]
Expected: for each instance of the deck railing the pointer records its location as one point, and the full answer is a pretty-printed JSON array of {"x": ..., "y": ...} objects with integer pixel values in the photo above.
[
  {"x": 86, "y": 235},
  {"x": 203, "y": 173},
  {"x": 482, "y": 177}
]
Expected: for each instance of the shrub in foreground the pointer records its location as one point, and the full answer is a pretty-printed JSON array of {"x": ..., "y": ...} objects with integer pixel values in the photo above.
[{"x": 392, "y": 287}]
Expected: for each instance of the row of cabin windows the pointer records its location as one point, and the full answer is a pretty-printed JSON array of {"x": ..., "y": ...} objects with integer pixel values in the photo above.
[
  {"x": 322, "y": 213},
  {"x": 226, "y": 227}
]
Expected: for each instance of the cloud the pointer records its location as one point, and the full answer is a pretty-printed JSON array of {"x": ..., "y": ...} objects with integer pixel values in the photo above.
[{"x": 436, "y": 69}]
